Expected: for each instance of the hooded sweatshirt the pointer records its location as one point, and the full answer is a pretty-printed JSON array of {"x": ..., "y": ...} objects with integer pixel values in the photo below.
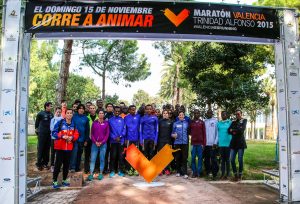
[
  {"x": 100, "y": 131},
  {"x": 149, "y": 128},
  {"x": 132, "y": 123}
]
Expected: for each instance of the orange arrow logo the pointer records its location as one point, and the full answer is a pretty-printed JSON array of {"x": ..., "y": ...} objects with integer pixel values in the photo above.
[
  {"x": 149, "y": 169},
  {"x": 176, "y": 19}
]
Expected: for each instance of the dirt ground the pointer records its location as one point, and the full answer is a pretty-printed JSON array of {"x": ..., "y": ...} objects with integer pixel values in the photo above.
[
  {"x": 175, "y": 190},
  {"x": 121, "y": 190}
]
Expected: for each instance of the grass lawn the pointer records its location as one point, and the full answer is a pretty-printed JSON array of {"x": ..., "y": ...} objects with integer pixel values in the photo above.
[
  {"x": 258, "y": 156},
  {"x": 31, "y": 143}
]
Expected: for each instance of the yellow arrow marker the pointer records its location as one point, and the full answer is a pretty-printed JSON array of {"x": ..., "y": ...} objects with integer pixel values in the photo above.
[{"x": 149, "y": 169}]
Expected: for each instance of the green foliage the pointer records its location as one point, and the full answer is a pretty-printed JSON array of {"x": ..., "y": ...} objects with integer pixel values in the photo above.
[
  {"x": 44, "y": 77},
  {"x": 227, "y": 75},
  {"x": 116, "y": 59},
  {"x": 174, "y": 54},
  {"x": 279, "y": 3},
  {"x": 82, "y": 88},
  {"x": 114, "y": 99},
  {"x": 141, "y": 97}
]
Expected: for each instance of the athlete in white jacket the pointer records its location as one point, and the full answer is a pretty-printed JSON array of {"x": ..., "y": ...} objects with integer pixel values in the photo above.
[{"x": 210, "y": 159}]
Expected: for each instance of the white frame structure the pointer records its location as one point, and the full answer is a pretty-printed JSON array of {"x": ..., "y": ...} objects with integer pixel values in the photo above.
[{"x": 14, "y": 85}]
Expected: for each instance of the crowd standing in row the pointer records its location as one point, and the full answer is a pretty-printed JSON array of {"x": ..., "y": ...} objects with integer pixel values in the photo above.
[{"x": 102, "y": 134}]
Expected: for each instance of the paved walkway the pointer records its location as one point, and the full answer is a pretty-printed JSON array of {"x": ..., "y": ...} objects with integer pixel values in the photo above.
[{"x": 121, "y": 190}]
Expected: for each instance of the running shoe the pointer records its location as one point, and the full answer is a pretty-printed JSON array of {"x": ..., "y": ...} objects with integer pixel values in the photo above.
[
  {"x": 100, "y": 177},
  {"x": 66, "y": 183},
  {"x": 90, "y": 177},
  {"x": 112, "y": 174},
  {"x": 55, "y": 185}
]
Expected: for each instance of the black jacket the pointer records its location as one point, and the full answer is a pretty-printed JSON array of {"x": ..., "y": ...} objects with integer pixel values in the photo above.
[
  {"x": 237, "y": 129},
  {"x": 42, "y": 122},
  {"x": 165, "y": 131}
]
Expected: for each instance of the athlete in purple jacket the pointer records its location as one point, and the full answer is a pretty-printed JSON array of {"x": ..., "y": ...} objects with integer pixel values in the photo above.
[
  {"x": 117, "y": 138},
  {"x": 99, "y": 136},
  {"x": 148, "y": 132}
]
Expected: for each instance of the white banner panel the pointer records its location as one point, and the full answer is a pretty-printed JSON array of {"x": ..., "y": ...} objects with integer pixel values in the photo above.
[{"x": 282, "y": 123}]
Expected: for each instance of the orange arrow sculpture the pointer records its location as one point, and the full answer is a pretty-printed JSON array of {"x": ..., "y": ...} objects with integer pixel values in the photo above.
[{"x": 149, "y": 169}]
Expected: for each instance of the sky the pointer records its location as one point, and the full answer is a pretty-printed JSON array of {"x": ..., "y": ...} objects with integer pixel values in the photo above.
[{"x": 152, "y": 84}]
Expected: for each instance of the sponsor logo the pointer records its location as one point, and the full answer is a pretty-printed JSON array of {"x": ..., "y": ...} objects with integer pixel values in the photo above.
[
  {"x": 11, "y": 38},
  {"x": 22, "y": 109},
  {"x": 6, "y": 158},
  {"x": 9, "y": 137},
  {"x": 9, "y": 70},
  {"x": 283, "y": 148},
  {"x": 296, "y": 132},
  {"x": 21, "y": 175},
  {"x": 298, "y": 152},
  {"x": 281, "y": 90},
  {"x": 22, "y": 195},
  {"x": 282, "y": 108},
  {"x": 6, "y": 179},
  {"x": 7, "y": 90},
  {"x": 176, "y": 19},
  {"x": 7, "y": 113},
  {"x": 24, "y": 89},
  {"x": 294, "y": 92},
  {"x": 13, "y": 13},
  {"x": 293, "y": 74},
  {"x": 21, "y": 155},
  {"x": 284, "y": 167},
  {"x": 295, "y": 112},
  {"x": 282, "y": 128},
  {"x": 297, "y": 171},
  {"x": 284, "y": 186}
]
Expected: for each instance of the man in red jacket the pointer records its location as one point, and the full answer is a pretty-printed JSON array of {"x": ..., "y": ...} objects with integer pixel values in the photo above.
[
  {"x": 65, "y": 134},
  {"x": 198, "y": 141}
]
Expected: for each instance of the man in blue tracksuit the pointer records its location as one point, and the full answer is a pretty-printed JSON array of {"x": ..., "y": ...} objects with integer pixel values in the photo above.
[
  {"x": 117, "y": 138},
  {"x": 82, "y": 125},
  {"x": 132, "y": 123},
  {"x": 148, "y": 132}
]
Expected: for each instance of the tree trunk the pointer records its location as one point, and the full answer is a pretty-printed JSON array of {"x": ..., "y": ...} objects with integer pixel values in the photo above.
[
  {"x": 266, "y": 125},
  {"x": 175, "y": 86},
  {"x": 273, "y": 122},
  {"x": 252, "y": 130},
  {"x": 64, "y": 71},
  {"x": 103, "y": 85}
]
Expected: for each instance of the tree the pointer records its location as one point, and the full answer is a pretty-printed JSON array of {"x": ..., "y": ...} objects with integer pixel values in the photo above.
[
  {"x": 44, "y": 76},
  {"x": 269, "y": 85},
  {"x": 226, "y": 74},
  {"x": 141, "y": 97},
  {"x": 173, "y": 84},
  {"x": 115, "y": 59},
  {"x": 64, "y": 71},
  {"x": 114, "y": 99}
]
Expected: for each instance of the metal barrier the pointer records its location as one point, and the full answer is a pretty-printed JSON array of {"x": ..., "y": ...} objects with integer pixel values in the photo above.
[
  {"x": 274, "y": 181},
  {"x": 34, "y": 189}
]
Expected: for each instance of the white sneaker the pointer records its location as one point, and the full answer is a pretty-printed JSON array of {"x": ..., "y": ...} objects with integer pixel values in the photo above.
[
  {"x": 178, "y": 175},
  {"x": 52, "y": 169},
  {"x": 185, "y": 176}
]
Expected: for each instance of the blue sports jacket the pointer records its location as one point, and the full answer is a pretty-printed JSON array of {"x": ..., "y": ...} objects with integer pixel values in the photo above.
[
  {"x": 182, "y": 129},
  {"x": 132, "y": 123},
  {"x": 82, "y": 125},
  {"x": 117, "y": 129},
  {"x": 149, "y": 128}
]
